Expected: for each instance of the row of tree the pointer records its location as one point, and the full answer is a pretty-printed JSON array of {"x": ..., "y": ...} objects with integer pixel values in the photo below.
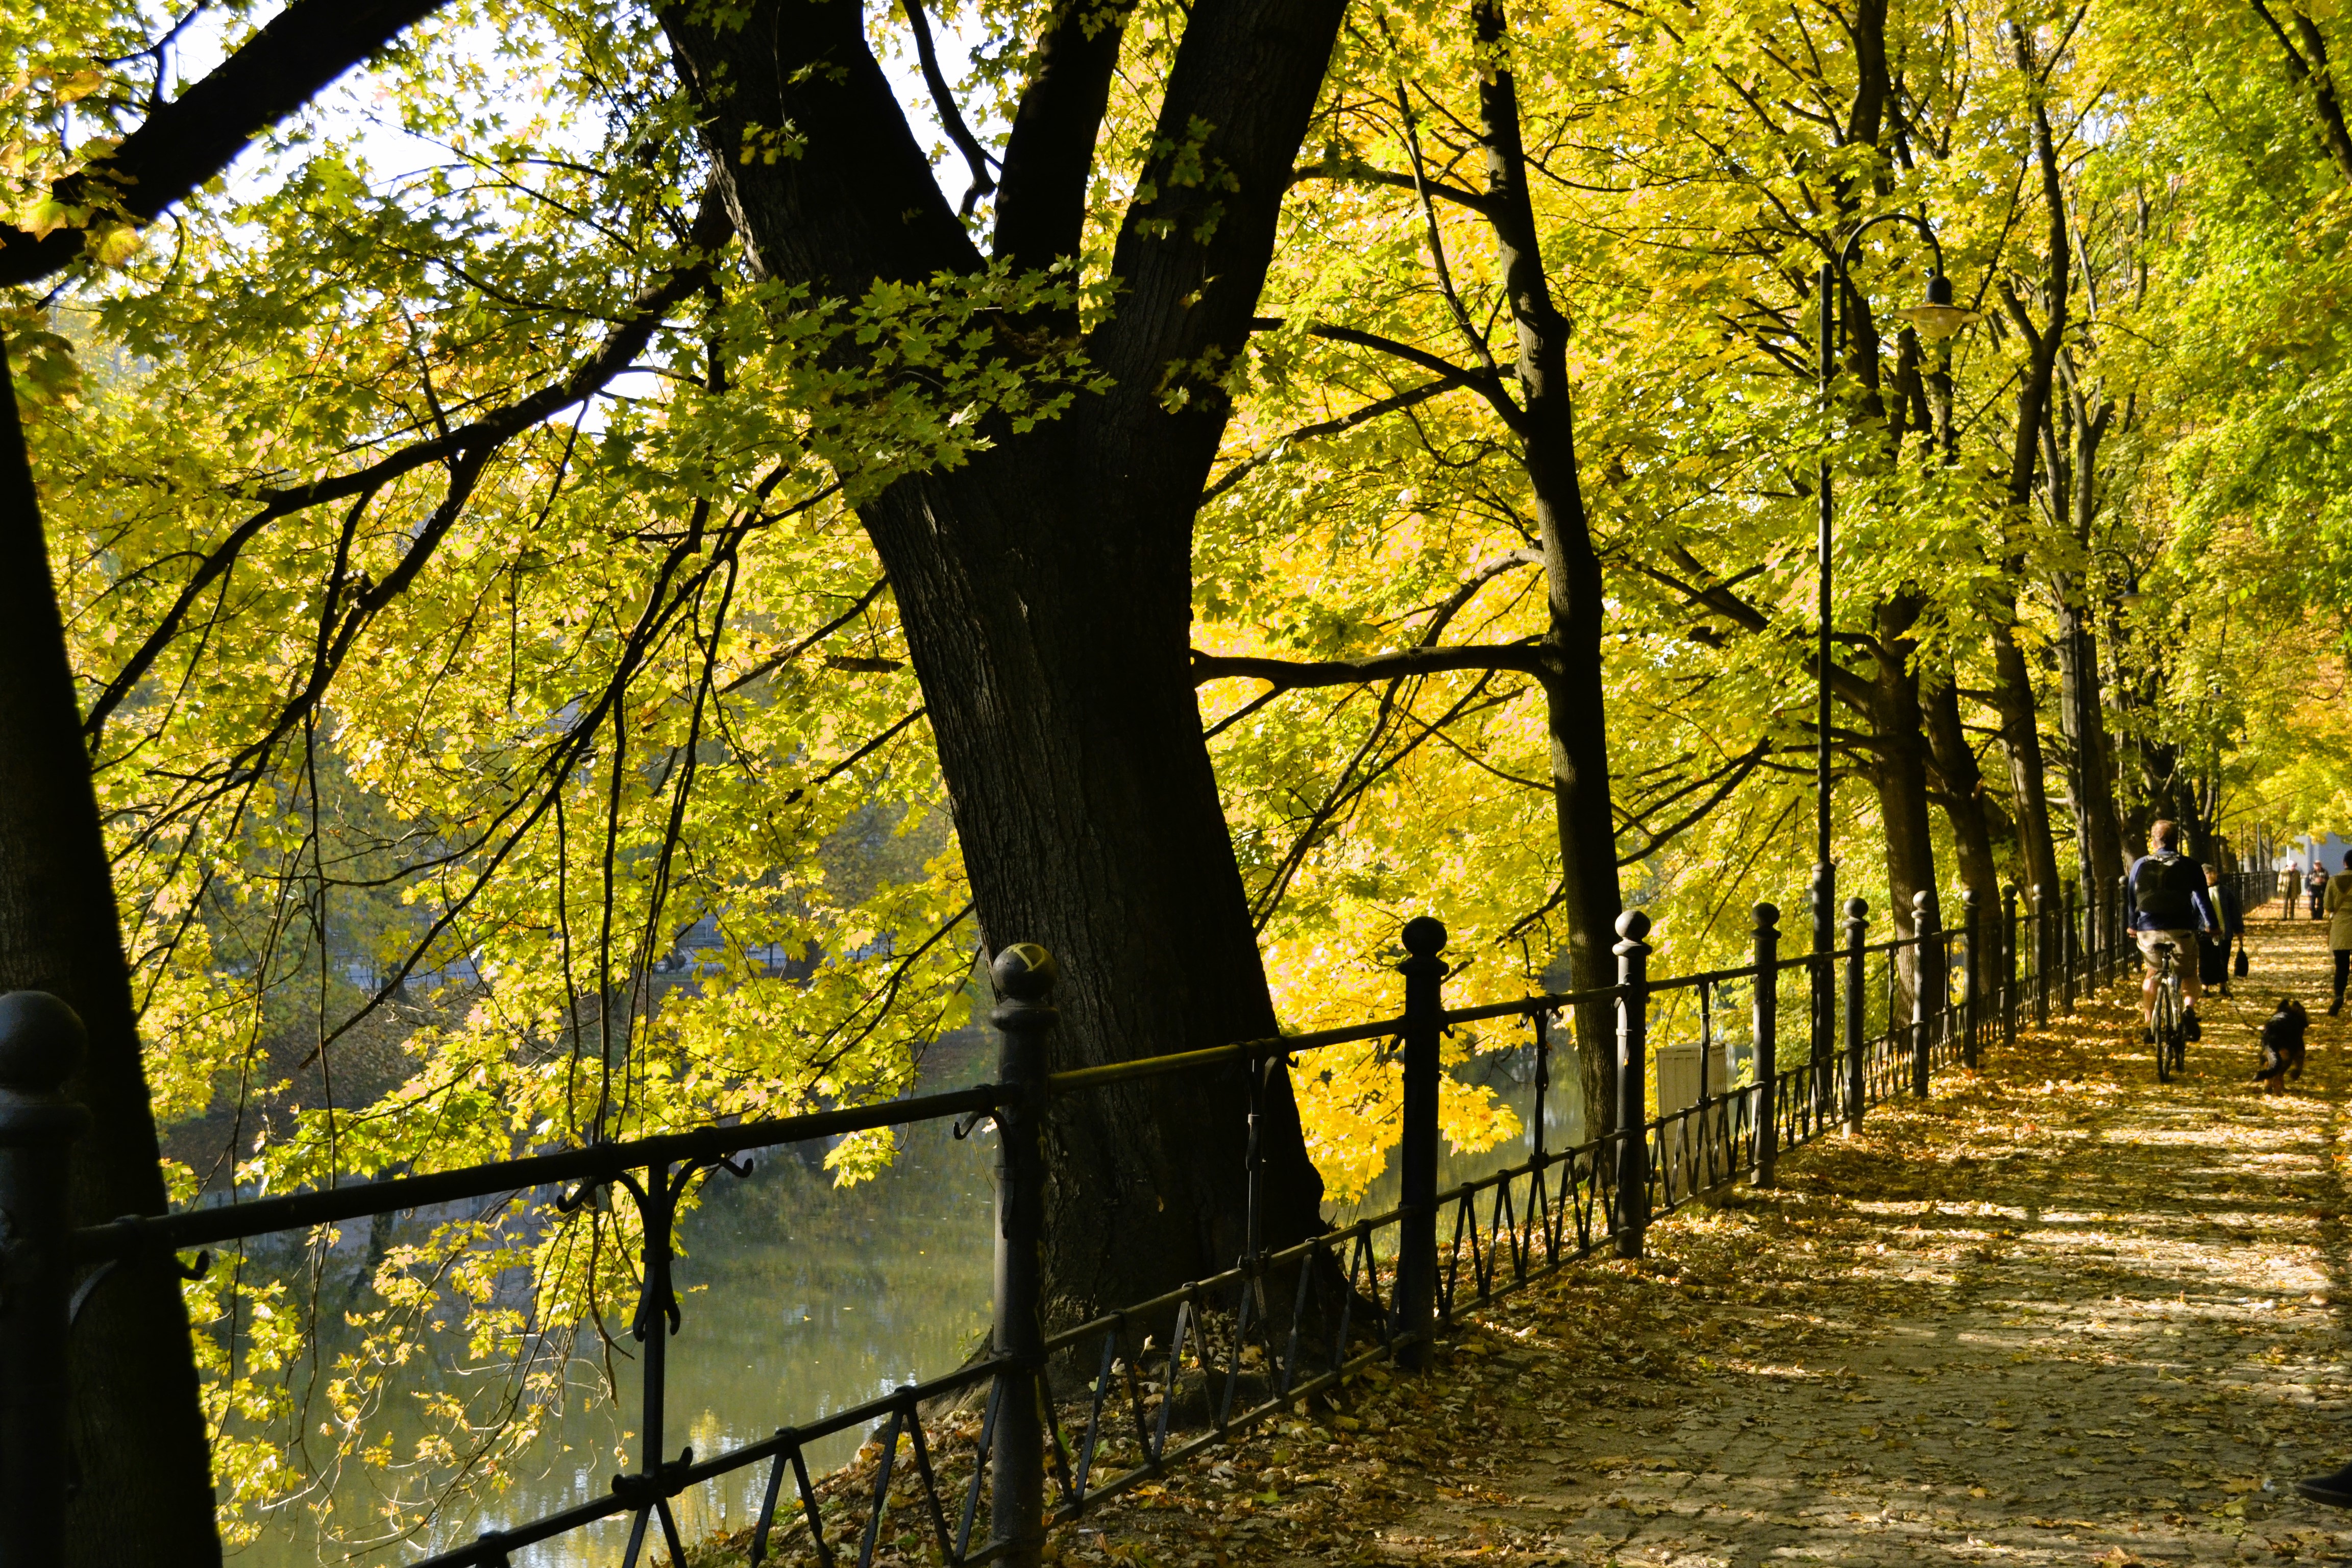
[{"x": 1192, "y": 486}]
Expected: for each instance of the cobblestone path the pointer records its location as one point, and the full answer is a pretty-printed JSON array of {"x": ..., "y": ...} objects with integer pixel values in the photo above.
[{"x": 2057, "y": 1313}]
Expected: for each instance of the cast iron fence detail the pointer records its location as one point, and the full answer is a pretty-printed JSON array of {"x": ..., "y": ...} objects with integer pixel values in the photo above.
[{"x": 1072, "y": 1418}]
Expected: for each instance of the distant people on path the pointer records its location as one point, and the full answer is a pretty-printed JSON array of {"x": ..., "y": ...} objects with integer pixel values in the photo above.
[
  {"x": 2339, "y": 929},
  {"x": 2316, "y": 883},
  {"x": 2230, "y": 914},
  {"x": 2169, "y": 904}
]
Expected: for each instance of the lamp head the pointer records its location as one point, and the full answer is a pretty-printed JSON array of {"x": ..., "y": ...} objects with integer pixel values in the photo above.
[{"x": 1937, "y": 319}]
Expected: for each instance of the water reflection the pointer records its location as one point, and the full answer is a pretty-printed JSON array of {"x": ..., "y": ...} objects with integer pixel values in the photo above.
[{"x": 801, "y": 1299}]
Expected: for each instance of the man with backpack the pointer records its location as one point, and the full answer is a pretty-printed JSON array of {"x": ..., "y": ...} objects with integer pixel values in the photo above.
[{"x": 2169, "y": 904}]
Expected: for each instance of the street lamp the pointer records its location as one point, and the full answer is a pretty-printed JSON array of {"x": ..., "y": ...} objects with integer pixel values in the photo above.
[{"x": 1937, "y": 319}]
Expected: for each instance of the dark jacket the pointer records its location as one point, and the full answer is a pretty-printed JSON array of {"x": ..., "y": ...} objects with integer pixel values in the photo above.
[{"x": 2168, "y": 893}]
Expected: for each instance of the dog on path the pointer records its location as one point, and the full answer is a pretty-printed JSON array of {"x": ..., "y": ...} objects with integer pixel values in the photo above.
[{"x": 2282, "y": 1051}]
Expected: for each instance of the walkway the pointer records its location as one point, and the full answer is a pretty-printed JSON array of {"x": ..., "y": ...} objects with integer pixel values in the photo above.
[{"x": 2057, "y": 1314}]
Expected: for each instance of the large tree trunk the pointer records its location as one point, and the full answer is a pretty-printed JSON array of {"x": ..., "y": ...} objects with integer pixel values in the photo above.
[
  {"x": 2021, "y": 731},
  {"x": 138, "y": 1437},
  {"x": 1901, "y": 776},
  {"x": 1575, "y": 707},
  {"x": 1964, "y": 804},
  {"x": 1046, "y": 586},
  {"x": 2090, "y": 769},
  {"x": 2021, "y": 741}
]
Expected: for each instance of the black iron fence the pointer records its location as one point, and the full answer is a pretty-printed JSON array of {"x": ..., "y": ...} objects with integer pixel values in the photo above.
[{"x": 1067, "y": 1420}]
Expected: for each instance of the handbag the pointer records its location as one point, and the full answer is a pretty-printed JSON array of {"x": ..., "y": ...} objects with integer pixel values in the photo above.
[{"x": 2242, "y": 958}]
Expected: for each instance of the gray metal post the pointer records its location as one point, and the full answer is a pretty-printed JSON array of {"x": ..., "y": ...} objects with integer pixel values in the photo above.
[
  {"x": 1632, "y": 1082},
  {"x": 1972, "y": 955},
  {"x": 40, "y": 1041},
  {"x": 1425, "y": 1008},
  {"x": 1857, "y": 931},
  {"x": 1767, "y": 1033},
  {"x": 1024, "y": 976},
  {"x": 1927, "y": 976}
]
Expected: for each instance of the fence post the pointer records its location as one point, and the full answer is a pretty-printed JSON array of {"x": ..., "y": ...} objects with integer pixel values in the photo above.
[
  {"x": 40, "y": 1041},
  {"x": 1857, "y": 931},
  {"x": 1632, "y": 1082},
  {"x": 2067, "y": 965},
  {"x": 2125, "y": 947},
  {"x": 1425, "y": 1006},
  {"x": 1972, "y": 955},
  {"x": 1767, "y": 1032},
  {"x": 1024, "y": 976},
  {"x": 1822, "y": 972},
  {"x": 1926, "y": 973},
  {"x": 2009, "y": 936},
  {"x": 2041, "y": 956}
]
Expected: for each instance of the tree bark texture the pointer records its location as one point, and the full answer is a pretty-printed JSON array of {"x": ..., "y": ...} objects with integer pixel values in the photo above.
[
  {"x": 139, "y": 1442},
  {"x": 1045, "y": 587}
]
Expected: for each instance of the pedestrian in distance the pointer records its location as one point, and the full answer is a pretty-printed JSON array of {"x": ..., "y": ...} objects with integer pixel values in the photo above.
[
  {"x": 2168, "y": 906},
  {"x": 2282, "y": 1047},
  {"x": 2214, "y": 955},
  {"x": 2316, "y": 883},
  {"x": 2339, "y": 929}
]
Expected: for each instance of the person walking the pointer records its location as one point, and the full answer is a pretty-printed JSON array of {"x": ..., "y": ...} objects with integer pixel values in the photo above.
[
  {"x": 2316, "y": 883},
  {"x": 2230, "y": 911},
  {"x": 2339, "y": 929}
]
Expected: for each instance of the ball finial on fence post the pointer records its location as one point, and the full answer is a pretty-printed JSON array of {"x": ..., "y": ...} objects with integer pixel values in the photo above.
[{"x": 41, "y": 1041}]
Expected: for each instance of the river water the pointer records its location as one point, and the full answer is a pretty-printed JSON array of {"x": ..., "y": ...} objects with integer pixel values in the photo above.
[{"x": 799, "y": 1298}]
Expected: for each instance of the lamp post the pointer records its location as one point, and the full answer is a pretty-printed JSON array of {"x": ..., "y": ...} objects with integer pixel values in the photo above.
[{"x": 1937, "y": 319}]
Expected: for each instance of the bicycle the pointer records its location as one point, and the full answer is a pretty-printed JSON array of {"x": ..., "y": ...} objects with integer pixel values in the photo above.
[{"x": 2171, "y": 1037}]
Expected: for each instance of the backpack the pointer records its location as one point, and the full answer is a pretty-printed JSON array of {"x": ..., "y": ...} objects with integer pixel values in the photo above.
[{"x": 2165, "y": 888}]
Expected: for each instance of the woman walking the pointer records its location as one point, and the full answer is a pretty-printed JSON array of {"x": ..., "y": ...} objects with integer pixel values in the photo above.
[
  {"x": 2339, "y": 929},
  {"x": 2230, "y": 914}
]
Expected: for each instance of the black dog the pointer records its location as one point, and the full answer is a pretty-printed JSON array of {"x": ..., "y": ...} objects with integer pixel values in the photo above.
[{"x": 2282, "y": 1045}]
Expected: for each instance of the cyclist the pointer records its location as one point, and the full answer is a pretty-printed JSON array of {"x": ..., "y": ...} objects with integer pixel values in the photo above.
[{"x": 2169, "y": 904}]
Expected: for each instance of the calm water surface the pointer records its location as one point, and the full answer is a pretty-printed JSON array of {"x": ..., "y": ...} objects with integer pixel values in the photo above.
[{"x": 800, "y": 1298}]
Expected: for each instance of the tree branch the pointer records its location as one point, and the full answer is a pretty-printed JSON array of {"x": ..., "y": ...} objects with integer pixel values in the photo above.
[
  {"x": 711, "y": 230},
  {"x": 1527, "y": 658},
  {"x": 183, "y": 143}
]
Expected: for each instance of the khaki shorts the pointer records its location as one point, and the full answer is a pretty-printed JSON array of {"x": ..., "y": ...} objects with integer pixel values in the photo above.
[{"x": 2184, "y": 948}]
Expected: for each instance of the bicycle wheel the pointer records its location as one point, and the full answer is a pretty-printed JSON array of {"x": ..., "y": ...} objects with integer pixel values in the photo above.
[{"x": 2163, "y": 1030}]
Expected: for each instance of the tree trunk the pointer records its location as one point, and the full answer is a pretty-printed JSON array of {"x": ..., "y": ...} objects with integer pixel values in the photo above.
[
  {"x": 1964, "y": 797},
  {"x": 1901, "y": 776},
  {"x": 1576, "y": 710},
  {"x": 138, "y": 1436},
  {"x": 2021, "y": 741},
  {"x": 1046, "y": 585}
]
